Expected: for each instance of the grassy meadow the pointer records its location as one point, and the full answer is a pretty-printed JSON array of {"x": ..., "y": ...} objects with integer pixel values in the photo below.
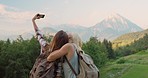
[{"x": 132, "y": 66}]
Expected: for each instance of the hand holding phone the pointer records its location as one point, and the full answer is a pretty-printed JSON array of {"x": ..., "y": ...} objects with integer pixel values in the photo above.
[{"x": 41, "y": 15}]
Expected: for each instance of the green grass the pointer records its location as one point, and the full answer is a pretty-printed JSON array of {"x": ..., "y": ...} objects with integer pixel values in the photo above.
[
  {"x": 138, "y": 58},
  {"x": 114, "y": 71},
  {"x": 137, "y": 71},
  {"x": 132, "y": 66}
]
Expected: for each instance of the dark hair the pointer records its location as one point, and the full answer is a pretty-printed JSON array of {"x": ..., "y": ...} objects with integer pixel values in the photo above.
[{"x": 59, "y": 40}]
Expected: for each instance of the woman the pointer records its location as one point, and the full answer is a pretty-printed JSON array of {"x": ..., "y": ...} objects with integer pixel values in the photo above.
[
  {"x": 69, "y": 51},
  {"x": 58, "y": 41},
  {"x": 75, "y": 38}
]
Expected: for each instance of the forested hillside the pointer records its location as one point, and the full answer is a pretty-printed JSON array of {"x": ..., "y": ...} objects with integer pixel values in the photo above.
[
  {"x": 129, "y": 38},
  {"x": 141, "y": 44}
]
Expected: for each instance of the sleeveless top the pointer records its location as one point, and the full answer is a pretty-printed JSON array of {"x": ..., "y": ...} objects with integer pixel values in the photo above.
[{"x": 68, "y": 73}]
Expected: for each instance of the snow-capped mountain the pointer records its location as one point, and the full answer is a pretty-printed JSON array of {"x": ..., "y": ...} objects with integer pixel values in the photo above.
[{"x": 113, "y": 26}]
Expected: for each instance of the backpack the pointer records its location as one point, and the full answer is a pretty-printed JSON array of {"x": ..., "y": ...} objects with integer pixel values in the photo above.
[
  {"x": 42, "y": 68},
  {"x": 87, "y": 68}
]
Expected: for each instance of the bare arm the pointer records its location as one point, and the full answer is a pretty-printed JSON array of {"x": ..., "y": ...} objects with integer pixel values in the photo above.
[
  {"x": 59, "y": 53},
  {"x": 34, "y": 23},
  {"x": 39, "y": 35}
]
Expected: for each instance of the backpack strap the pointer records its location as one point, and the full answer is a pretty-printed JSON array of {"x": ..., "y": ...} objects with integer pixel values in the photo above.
[
  {"x": 69, "y": 62},
  {"x": 70, "y": 66}
]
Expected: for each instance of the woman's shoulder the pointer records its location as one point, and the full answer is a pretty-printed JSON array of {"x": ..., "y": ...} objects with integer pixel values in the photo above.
[{"x": 68, "y": 45}]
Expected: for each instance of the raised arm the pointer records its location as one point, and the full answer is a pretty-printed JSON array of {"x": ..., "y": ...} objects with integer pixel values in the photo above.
[
  {"x": 34, "y": 23},
  {"x": 39, "y": 35}
]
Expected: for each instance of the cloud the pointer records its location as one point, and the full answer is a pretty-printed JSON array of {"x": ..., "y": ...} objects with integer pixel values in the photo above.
[
  {"x": 14, "y": 15},
  {"x": 15, "y": 20},
  {"x": 2, "y": 8}
]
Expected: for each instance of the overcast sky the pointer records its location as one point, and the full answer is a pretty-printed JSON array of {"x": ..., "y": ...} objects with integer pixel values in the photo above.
[{"x": 15, "y": 15}]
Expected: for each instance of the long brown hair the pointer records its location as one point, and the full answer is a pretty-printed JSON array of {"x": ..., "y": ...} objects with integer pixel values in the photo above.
[{"x": 59, "y": 40}]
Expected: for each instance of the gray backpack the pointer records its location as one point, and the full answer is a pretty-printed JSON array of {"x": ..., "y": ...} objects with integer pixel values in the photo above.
[{"x": 87, "y": 68}]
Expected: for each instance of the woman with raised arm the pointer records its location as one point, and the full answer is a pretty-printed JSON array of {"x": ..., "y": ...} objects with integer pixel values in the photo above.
[{"x": 46, "y": 50}]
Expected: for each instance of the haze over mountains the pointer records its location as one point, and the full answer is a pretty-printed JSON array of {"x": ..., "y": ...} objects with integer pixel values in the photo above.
[{"x": 110, "y": 28}]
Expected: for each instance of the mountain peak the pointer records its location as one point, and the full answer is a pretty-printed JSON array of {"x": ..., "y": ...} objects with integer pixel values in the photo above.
[{"x": 114, "y": 16}]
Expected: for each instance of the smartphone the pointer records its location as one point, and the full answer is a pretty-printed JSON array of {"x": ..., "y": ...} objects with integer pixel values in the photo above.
[{"x": 41, "y": 15}]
